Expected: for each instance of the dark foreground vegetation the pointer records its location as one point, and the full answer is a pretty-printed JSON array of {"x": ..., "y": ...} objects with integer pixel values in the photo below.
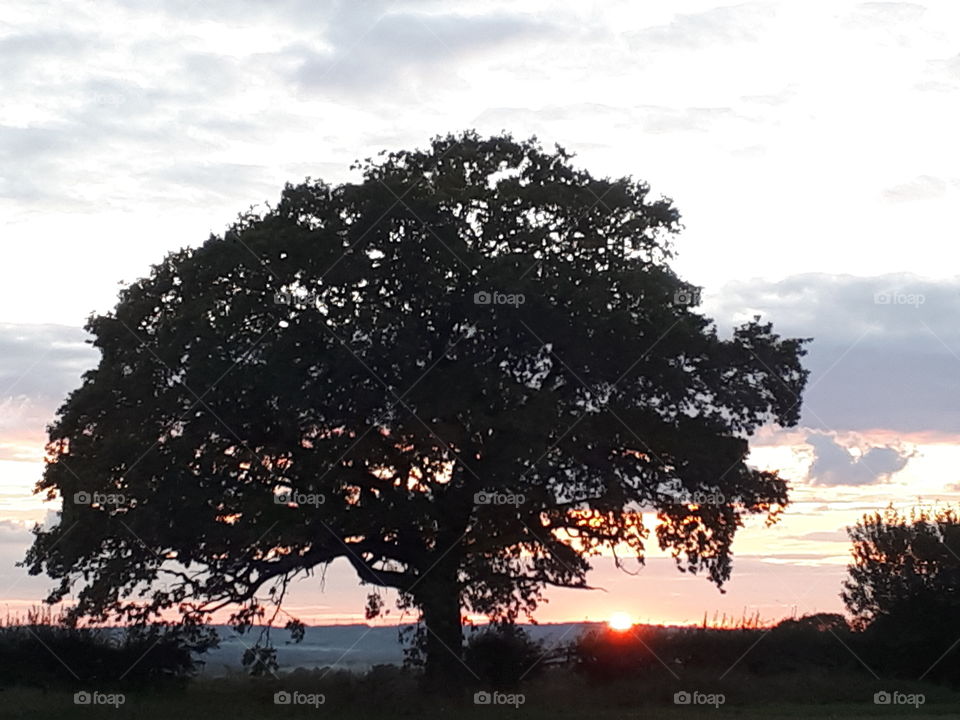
[
  {"x": 815, "y": 666},
  {"x": 898, "y": 657},
  {"x": 555, "y": 695}
]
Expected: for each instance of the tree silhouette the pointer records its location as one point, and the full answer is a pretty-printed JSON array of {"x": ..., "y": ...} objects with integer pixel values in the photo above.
[
  {"x": 904, "y": 589},
  {"x": 899, "y": 558},
  {"x": 466, "y": 374}
]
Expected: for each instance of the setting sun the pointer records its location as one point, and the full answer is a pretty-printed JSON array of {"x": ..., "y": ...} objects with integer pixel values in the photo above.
[{"x": 620, "y": 621}]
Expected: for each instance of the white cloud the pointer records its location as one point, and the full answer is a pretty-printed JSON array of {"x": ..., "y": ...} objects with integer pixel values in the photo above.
[
  {"x": 923, "y": 187},
  {"x": 391, "y": 52},
  {"x": 694, "y": 31},
  {"x": 873, "y": 14}
]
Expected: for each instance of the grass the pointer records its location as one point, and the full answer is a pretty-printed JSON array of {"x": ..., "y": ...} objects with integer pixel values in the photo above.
[{"x": 557, "y": 695}]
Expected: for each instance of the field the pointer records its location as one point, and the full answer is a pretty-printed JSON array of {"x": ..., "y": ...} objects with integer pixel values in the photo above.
[{"x": 556, "y": 695}]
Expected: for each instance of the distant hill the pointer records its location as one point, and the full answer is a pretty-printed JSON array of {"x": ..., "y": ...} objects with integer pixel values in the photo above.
[{"x": 354, "y": 647}]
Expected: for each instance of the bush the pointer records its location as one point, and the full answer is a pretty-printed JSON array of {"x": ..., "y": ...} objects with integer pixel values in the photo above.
[
  {"x": 43, "y": 651},
  {"x": 808, "y": 643},
  {"x": 503, "y": 655},
  {"x": 917, "y": 639}
]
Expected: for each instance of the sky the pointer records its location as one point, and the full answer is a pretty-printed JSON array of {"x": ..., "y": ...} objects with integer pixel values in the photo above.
[{"x": 810, "y": 148}]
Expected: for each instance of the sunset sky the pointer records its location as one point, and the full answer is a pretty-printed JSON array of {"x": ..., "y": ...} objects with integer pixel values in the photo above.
[{"x": 811, "y": 148}]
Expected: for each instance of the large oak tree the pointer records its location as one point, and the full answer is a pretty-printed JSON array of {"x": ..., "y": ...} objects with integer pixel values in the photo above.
[{"x": 465, "y": 373}]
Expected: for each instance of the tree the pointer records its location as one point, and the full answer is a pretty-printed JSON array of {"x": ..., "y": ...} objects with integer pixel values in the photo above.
[
  {"x": 465, "y": 373},
  {"x": 903, "y": 588},
  {"x": 899, "y": 558}
]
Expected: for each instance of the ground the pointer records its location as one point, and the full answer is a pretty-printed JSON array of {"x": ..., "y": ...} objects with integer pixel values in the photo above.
[{"x": 552, "y": 698}]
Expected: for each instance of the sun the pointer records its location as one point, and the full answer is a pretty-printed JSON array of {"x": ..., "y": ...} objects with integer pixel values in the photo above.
[{"x": 620, "y": 622}]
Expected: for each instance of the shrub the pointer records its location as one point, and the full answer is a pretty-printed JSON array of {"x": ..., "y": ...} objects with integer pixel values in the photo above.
[
  {"x": 44, "y": 650},
  {"x": 502, "y": 655}
]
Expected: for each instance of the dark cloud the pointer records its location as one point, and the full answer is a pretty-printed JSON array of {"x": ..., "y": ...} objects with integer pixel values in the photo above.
[
  {"x": 833, "y": 464},
  {"x": 885, "y": 353}
]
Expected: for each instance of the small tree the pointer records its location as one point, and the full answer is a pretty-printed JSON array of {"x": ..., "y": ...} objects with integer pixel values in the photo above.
[
  {"x": 899, "y": 559},
  {"x": 464, "y": 374},
  {"x": 904, "y": 588}
]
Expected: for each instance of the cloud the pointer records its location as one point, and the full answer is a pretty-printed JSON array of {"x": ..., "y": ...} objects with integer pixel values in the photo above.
[
  {"x": 884, "y": 353},
  {"x": 875, "y": 14},
  {"x": 694, "y": 119},
  {"x": 650, "y": 119},
  {"x": 718, "y": 26},
  {"x": 30, "y": 159},
  {"x": 25, "y": 50},
  {"x": 213, "y": 180},
  {"x": 834, "y": 464},
  {"x": 923, "y": 187},
  {"x": 42, "y": 359},
  {"x": 363, "y": 55},
  {"x": 105, "y": 111},
  {"x": 824, "y": 536},
  {"x": 15, "y": 532},
  {"x": 39, "y": 366}
]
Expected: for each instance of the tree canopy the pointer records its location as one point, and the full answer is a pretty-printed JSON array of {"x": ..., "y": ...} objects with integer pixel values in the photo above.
[
  {"x": 466, "y": 373},
  {"x": 903, "y": 589},
  {"x": 902, "y": 560}
]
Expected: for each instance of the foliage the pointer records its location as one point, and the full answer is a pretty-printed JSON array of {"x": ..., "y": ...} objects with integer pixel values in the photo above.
[
  {"x": 900, "y": 558},
  {"x": 465, "y": 373},
  {"x": 45, "y": 649},
  {"x": 814, "y": 642},
  {"x": 904, "y": 589},
  {"x": 503, "y": 655}
]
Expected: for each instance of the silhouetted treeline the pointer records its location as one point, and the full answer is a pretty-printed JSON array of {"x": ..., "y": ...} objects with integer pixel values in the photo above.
[
  {"x": 909, "y": 647},
  {"x": 43, "y": 651}
]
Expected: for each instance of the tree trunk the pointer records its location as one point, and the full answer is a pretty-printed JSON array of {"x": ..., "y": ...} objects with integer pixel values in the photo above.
[{"x": 439, "y": 601}]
